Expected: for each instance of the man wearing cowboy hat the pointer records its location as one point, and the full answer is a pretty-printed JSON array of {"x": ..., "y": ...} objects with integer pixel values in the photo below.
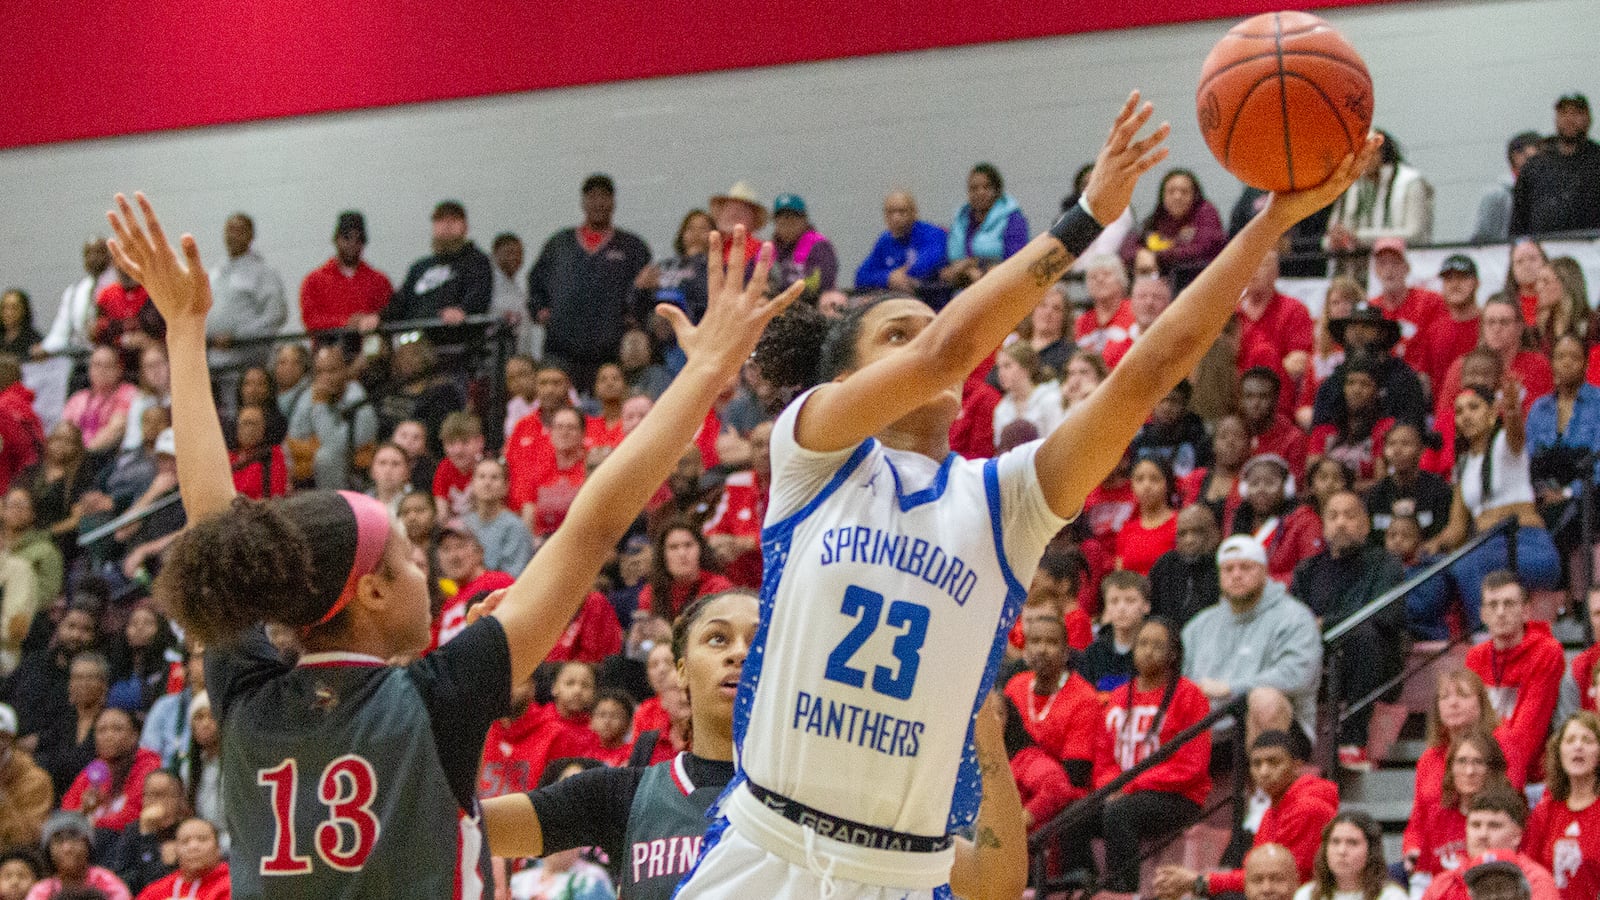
[
  {"x": 1400, "y": 393},
  {"x": 739, "y": 206}
]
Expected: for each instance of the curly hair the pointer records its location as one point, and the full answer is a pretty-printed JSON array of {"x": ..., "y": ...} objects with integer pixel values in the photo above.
[
  {"x": 802, "y": 348},
  {"x": 284, "y": 562}
]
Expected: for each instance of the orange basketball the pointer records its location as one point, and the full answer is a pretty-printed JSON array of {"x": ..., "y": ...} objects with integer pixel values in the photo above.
[{"x": 1283, "y": 98}]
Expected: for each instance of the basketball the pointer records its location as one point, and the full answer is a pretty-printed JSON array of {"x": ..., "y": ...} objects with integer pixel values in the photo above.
[{"x": 1283, "y": 98}]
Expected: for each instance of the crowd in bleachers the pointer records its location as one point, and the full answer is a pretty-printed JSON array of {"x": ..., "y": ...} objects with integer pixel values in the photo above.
[{"x": 1311, "y": 463}]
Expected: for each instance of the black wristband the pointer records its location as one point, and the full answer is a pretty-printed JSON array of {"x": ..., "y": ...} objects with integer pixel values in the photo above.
[
  {"x": 1202, "y": 888},
  {"x": 1076, "y": 229}
]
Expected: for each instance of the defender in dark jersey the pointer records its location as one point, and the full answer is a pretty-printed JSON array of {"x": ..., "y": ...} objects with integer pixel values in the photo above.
[
  {"x": 650, "y": 820},
  {"x": 344, "y": 776}
]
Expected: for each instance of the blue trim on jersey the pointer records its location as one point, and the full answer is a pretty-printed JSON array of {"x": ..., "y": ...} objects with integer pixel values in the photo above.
[
  {"x": 969, "y": 790},
  {"x": 799, "y": 515},
  {"x": 932, "y": 492}
]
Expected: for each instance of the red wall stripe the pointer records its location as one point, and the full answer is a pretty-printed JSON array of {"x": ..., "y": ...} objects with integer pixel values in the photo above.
[{"x": 78, "y": 69}]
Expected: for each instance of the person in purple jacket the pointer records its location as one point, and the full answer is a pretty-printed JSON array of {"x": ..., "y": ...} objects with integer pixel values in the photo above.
[{"x": 1184, "y": 231}]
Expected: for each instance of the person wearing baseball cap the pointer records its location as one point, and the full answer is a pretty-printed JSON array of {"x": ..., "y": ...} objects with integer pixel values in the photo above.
[
  {"x": 25, "y": 787},
  {"x": 1415, "y": 308},
  {"x": 345, "y": 291},
  {"x": 1454, "y": 334},
  {"x": 803, "y": 252},
  {"x": 1258, "y": 642},
  {"x": 1559, "y": 189}
]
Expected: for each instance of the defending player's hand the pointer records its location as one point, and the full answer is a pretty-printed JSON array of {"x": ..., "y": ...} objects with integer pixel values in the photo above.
[
  {"x": 1288, "y": 209},
  {"x": 737, "y": 312},
  {"x": 1122, "y": 160},
  {"x": 180, "y": 288}
]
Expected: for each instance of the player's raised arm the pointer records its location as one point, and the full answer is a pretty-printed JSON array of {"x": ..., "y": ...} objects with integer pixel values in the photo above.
[
  {"x": 978, "y": 319},
  {"x": 994, "y": 864},
  {"x": 1079, "y": 453},
  {"x": 538, "y": 606},
  {"x": 181, "y": 290}
]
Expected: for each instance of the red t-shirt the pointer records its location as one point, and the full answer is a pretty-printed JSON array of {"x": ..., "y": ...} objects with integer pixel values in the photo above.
[
  {"x": 1284, "y": 327},
  {"x": 739, "y": 513},
  {"x": 593, "y": 634},
  {"x": 1568, "y": 844},
  {"x": 1442, "y": 838},
  {"x": 684, "y": 593},
  {"x": 1583, "y": 676},
  {"x": 450, "y": 484},
  {"x": 1063, "y": 724},
  {"x": 1417, "y": 311},
  {"x": 452, "y": 619},
  {"x": 249, "y": 479},
  {"x": 118, "y": 812},
  {"x": 1121, "y": 747},
  {"x": 1438, "y": 348},
  {"x": 1139, "y": 547},
  {"x": 596, "y": 433},
  {"x": 1285, "y": 439},
  {"x": 1092, "y": 334},
  {"x": 551, "y": 490},
  {"x": 1105, "y": 511},
  {"x": 525, "y": 450},
  {"x": 329, "y": 297}
]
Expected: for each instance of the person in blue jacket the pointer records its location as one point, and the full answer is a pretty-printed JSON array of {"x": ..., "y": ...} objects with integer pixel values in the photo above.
[
  {"x": 988, "y": 228},
  {"x": 909, "y": 253}
]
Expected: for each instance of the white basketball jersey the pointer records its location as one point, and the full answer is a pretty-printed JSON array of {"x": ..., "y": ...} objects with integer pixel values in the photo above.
[{"x": 891, "y": 582}]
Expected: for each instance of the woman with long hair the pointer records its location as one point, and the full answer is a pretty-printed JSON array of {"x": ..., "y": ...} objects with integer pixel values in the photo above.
[
  {"x": 1563, "y": 833},
  {"x": 1031, "y": 392},
  {"x": 141, "y": 659},
  {"x": 1492, "y": 484},
  {"x": 1527, "y": 260},
  {"x": 1153, "y": 528},
  {"x": 680, "y": 279},
  {"x": 1141, "y": 716},
  {"x": 385, "y": 757},
  {"x": 1473, "y": 764},
  {"x": 1084, "y": 372},
  {"x": 110, "y": 789},
  {"x": 1184, "y": 230},
  {"x": 18, "y": 336},
  {"x": 1390, "y": 199},
  {"x": 1563, "y": 303},
  {"x": 1349, "y": 864},
  {"x": 390, "y": 473},
  {"x": 603, "y": 808},
  {"x": 681, "y": 569}
]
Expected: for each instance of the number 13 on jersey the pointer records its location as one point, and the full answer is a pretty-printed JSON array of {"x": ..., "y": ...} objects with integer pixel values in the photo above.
[{"x": 867, "y": 608}]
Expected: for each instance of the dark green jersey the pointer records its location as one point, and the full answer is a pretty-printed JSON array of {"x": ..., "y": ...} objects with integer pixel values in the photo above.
[{"x": 344, "y": 777}]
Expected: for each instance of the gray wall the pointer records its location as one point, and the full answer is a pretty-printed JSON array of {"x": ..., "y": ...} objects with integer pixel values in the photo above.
[{"x": 1454, "y": 79}]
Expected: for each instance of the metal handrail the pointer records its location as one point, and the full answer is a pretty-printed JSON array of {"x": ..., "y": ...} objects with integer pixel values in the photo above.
[{"x": 1083, "y": 806}]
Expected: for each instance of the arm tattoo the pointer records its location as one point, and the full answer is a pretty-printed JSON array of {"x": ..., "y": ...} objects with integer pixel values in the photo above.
[
  {"x": 986, "y": 839},
  {"x": 1049, "y": 267}
]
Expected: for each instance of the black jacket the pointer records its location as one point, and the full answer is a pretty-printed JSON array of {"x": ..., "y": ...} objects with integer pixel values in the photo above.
[
  {"x": 1558, "y": 192},
  {"x": 461, "y": 280},
  {"x": 1180, "y": 587},
  {"x": 589, "y": 296}
]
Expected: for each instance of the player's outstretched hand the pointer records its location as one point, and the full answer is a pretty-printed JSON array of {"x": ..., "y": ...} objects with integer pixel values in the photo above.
[
  {"x": 1122, "y": 160},
  {"x": 180, "y": 288},
  {"x": 1287, "y": 209},
  {"x": 737, "y": 312},
  {"x": 486, "y": 606}
]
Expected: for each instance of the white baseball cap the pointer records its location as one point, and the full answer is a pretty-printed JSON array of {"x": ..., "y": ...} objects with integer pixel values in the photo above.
[
  {"x": 8, "y": 720},
  {"x": 167, "y": 442},
  {"x": 1242, "y": 546}
]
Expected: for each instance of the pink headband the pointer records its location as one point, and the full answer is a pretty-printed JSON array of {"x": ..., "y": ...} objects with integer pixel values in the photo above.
[{"x": 372, "y": 534}]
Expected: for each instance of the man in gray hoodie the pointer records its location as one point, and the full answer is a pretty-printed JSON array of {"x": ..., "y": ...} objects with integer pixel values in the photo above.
[{"x": 1258, "y": 642}]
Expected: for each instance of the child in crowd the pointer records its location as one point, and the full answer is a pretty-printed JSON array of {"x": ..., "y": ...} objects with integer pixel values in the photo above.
[
  {"x": 390, "y": 474},
  {"x": 412, "y": 437},
  {"x": 1061, "y": 707},
  {"x": 612, "y": 724},
  {"x": 507, "y": 543},
  {"x": 521, "y": 393},
  {"x": 1124, "y": 604},
  {"x": 462, "y": 434}
]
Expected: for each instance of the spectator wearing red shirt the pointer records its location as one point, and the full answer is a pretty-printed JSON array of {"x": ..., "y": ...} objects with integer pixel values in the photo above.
[
  {"x": 1496, "y": 820},
  {"x": 462, "y": 436},
  {"x": 734, "y": 528},
  {"x": 1110, "y": 315},
  {"x": 1460, "y": 706},
  {"x": 1041, "y": 782},
  {"x": 259, "y": 468},
  {"x": 1454, "y": 334},
  {"x": 1416, "y": 309},
  {"x": 612, "y": 724},
  {"x": 461, "y": 561},
  {"x": 1270, "y": 515},
  {"x": 110, "y": 789},
  {"x": 1502, "y": 333},
  {"x": 1270, "y": 430},
  {"x": 604, "y": 429},
  {"x": 593, "y": 634},
  {"x": 520, "y": 744},
  {"x": 678, "y": 574},
  {"x": 1436, "y": 835},
  {"x": 1106, "y": 509},
  {"x": 1149, "y": 299},
  {"x": 202, "y": 874},
  {"x": 345, "y": 291},
  {"x": 1153, "y": 530},
  {"x": 1563, "y": 832},
  {"x": 1060, "y": 709},
  {"x": 972, "y": 433},
  {"x": 1302, "y": 806},
  {"x": 544, "y": 493},
  {"x": 1139, "y": 718},
  {"x": 1355, "y": 439},
  {"x": 1274, "y": 330},
  {"x": 1521, "y": 665},
  {"x": 21, "y": 431},
  {"x": 1578, "y": 688}
]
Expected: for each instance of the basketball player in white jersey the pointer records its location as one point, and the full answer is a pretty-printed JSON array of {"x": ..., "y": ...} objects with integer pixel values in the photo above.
[{"x": 894, "y": 568}]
